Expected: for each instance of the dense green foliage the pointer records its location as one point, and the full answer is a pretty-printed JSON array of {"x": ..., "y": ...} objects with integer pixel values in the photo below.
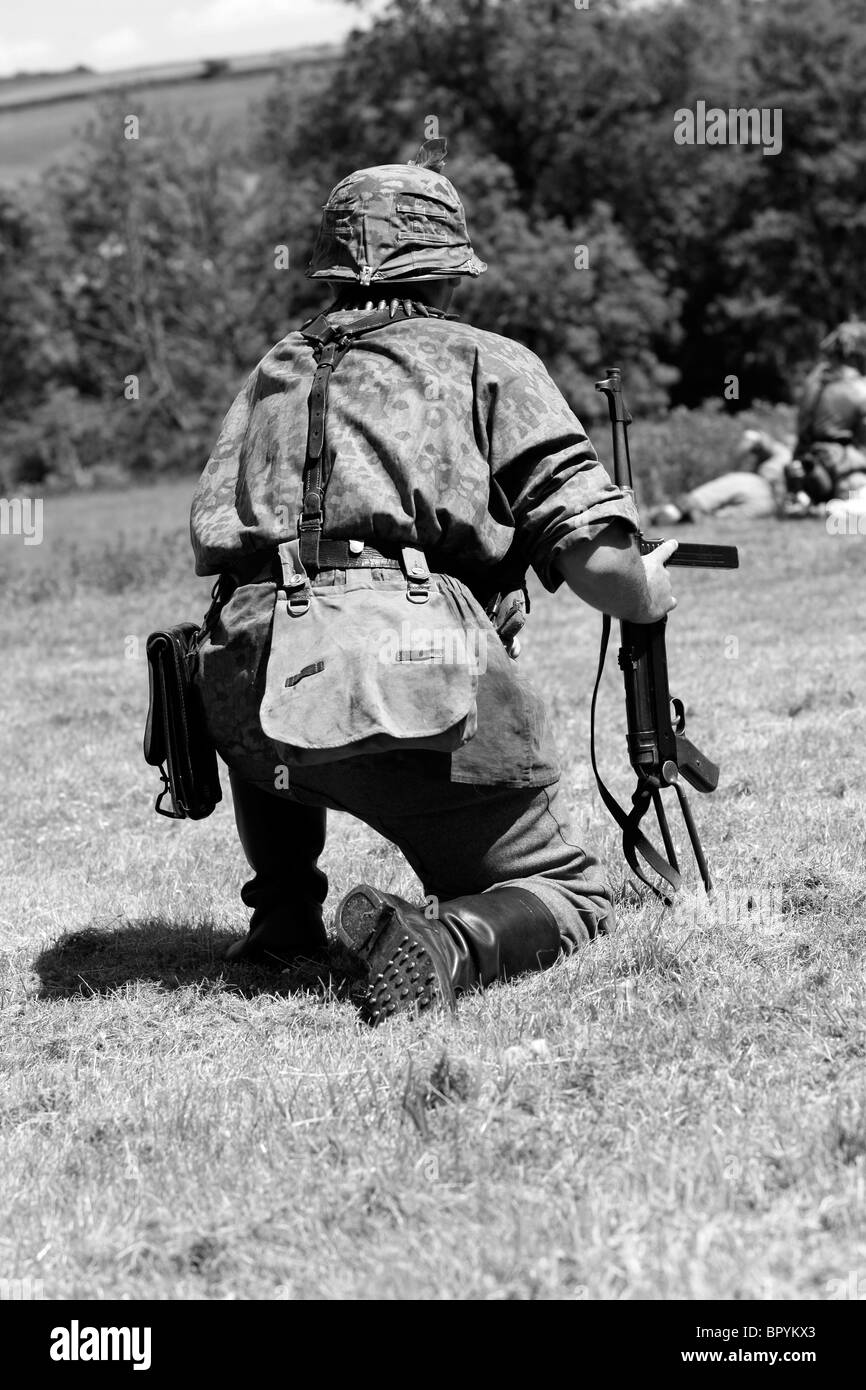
[{"x": 155, "y": 258}]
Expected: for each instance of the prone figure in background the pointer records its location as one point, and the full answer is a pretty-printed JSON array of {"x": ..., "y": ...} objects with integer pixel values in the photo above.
[{"x": 759, "y": 487}]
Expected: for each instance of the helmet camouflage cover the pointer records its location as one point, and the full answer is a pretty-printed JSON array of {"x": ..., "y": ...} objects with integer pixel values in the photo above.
[
  {"x": 847, "y": 343},
  {"x": 393, "y": 222}
]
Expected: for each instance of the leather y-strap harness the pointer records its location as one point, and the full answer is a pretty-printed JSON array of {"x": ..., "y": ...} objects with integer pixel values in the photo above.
[
  {"x": 330, "y": 343},
  {"x": 311, "y": 552}
]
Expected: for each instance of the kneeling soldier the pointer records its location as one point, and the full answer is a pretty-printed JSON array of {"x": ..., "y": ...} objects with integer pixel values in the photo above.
[{"x": 380, "y": 486}]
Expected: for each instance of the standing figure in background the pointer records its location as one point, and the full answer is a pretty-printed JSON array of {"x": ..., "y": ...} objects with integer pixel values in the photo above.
[{"x": 830, "y": 454}]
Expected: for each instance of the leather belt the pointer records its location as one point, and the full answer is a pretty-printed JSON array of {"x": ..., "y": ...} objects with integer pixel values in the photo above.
[
  {"x": 337, "y": 555},
  {"x": 333, "y": 555}
]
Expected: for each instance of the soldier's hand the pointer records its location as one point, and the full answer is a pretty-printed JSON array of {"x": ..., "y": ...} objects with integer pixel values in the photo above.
[{"x": 659, "y": 598}]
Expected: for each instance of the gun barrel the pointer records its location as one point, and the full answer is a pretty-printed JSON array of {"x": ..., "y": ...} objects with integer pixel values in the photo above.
[{"x": 611, "y": 386}]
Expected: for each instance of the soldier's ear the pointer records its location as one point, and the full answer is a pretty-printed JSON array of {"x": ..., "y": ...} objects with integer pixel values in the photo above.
[
  {"x": 440, "y": 292},
  {"x": 453, "y": 285}
]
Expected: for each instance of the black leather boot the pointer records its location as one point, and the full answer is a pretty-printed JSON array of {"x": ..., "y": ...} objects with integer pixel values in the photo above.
[
  {"x": 282, "y": 842},
  {"x": 417, "y": 962}
]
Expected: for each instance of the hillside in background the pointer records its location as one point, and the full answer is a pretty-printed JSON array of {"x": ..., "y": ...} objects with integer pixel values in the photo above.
[
  {"x": 44, "y": 117},
  {"x": 141, "y": 276}
]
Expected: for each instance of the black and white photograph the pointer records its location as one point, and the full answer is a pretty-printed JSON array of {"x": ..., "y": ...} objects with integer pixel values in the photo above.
[{"x": 432, "y": 538}]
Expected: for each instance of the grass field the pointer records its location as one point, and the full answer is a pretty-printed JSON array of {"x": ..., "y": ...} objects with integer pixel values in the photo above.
[{"x": 680, "y": 1112}]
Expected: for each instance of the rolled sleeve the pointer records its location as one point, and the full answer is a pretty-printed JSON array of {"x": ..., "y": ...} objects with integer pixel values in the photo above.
[
  {"x": 567, "y": 525},
  {"x": 559, "y": 493}
]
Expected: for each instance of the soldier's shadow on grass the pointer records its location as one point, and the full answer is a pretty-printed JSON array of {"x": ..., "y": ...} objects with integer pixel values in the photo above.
[{"x": 169, "y": 955}]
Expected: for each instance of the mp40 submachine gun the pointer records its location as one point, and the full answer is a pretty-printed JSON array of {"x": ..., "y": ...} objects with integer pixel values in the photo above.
[{"x": 658, "y": 749}]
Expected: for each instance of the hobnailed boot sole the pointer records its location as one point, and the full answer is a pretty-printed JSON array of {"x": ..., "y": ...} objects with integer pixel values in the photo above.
[{"x": 403, "y": 973}]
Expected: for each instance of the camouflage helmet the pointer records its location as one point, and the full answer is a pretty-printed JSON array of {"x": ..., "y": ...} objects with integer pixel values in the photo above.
[
  {"x": 395, "y": 222},
  {"x": 846, "y": 344}
]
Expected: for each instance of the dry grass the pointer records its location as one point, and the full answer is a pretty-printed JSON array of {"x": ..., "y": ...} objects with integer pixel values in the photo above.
[{"x": 678, "y": 1113}]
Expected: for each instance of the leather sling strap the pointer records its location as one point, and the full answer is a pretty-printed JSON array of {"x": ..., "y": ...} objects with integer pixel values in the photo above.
[
  {"x": 330, "y": 343},
  {"x": 634, "y": 842}
]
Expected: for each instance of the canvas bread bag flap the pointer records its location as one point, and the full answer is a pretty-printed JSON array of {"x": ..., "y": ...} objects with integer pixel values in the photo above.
[{"x": 376, "y": 660}]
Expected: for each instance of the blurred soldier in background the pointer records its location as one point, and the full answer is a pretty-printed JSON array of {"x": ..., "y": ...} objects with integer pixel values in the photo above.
[
  {"x": 830, "y": 453},
  {"x": 419, "y": 468}
]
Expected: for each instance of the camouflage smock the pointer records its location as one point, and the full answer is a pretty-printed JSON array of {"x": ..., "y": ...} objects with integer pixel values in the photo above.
[{"x": 445, "y": 438}]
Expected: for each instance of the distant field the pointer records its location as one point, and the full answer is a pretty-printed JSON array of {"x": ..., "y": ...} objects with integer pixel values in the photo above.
[
  {"x": 26, "y": 90},
  {"x": 49, "y": 128}
]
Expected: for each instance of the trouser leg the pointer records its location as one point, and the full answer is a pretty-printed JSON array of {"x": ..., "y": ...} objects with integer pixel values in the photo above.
[
  {"x": 282, "y": 842},
  {"x": 415, "y": 962},
  {"x": 506, "y": 888},
  {"x": 465, "y": 839}
]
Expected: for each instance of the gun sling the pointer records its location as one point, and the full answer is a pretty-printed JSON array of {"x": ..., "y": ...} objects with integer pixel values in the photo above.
[{"x": 634, "y": 842}]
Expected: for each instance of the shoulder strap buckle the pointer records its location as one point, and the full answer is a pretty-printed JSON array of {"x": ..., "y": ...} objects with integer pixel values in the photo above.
[
  {"x": 295, "y": 582},
  {"x": 417, "y": 575},
  {"x": 319, "y": 330}
]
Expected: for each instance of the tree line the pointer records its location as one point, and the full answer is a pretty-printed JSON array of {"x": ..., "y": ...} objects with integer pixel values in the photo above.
[{"x": 140, "y": 283}]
